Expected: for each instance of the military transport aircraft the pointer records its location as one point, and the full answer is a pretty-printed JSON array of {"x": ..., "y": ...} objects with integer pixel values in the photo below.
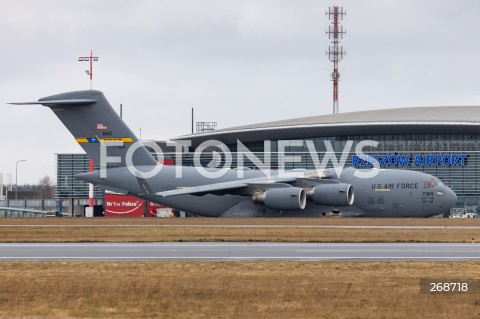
[{"x": 125, "y": 166}]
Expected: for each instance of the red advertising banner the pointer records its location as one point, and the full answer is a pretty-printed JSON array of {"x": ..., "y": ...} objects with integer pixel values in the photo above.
[{"x": 118, "y": 205}]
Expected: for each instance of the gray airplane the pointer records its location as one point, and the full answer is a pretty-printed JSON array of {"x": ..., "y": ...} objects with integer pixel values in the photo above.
[{"x": 126, "y": 164}]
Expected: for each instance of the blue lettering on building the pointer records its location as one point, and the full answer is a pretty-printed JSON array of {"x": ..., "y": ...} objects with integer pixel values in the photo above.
[{"x": 387, "y": 160}]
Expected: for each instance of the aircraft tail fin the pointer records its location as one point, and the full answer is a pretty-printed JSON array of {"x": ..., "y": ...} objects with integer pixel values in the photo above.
[{"x": 92, "y": 121}]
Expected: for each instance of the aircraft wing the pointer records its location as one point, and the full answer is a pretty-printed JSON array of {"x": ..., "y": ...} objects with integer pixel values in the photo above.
[
  {"x": 210, "y": 188},
  {"x": 225, "y": 187}
]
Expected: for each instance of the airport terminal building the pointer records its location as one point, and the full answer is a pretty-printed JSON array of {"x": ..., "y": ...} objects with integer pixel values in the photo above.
[{"x": 441, "y": 141}]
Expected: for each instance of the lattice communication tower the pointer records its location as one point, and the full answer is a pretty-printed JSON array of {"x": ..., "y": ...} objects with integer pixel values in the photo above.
[{"x": 335, "y": 52}]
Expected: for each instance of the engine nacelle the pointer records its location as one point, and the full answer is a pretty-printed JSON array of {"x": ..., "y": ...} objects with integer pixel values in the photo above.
[
  {"x": 332, "y": 194},
  {"x": 288, "y": 198}
]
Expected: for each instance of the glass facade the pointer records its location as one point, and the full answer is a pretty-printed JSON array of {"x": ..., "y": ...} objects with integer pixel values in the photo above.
[{"x": 69, "y": 165}]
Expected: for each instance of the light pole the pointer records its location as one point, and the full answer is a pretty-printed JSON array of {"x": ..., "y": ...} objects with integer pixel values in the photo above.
[
  {"x": 90, "y": 59},
  {"x": 16, "y": 176}
]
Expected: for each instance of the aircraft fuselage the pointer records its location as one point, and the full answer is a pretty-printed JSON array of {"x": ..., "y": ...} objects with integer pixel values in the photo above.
[{"x": 391, "y": 193}]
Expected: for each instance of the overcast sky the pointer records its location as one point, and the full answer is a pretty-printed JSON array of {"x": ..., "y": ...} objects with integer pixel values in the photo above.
[{"x": 236, "y": 61}]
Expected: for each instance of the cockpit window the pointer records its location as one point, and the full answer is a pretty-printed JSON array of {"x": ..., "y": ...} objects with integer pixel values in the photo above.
[{"x": 430, "y": 184}]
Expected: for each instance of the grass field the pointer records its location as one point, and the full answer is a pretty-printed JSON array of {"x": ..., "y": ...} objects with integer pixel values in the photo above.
[
  {"x": 209, "y": 229},
  {"x": 185, "y": 289}
]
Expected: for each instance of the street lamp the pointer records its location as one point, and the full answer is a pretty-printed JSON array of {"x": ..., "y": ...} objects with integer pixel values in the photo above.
[{"x": 16, "y": 176}]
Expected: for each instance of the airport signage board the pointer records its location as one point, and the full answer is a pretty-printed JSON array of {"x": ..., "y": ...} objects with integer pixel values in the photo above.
[{"x": 386, "y": 160}]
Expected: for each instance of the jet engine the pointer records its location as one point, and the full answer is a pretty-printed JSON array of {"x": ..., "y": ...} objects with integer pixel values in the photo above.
[
  {"x": 332, "y": 194},
  {"x": 288, "y": 198}
]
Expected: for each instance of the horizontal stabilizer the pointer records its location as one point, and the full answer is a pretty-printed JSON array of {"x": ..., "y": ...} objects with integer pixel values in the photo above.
[{"x": 59, "y": 102}]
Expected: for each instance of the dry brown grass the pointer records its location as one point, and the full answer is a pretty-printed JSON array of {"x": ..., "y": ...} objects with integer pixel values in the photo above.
[
  {"x": 245, "y": 221},
  {"x": 186, "y": 289},
  {"x": 146, "y": 230}
]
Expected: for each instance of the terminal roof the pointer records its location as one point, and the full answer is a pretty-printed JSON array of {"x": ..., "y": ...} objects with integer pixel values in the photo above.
[{"x": 414, "y": 120}]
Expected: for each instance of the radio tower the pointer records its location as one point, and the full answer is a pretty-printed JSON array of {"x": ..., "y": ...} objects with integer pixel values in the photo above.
[{"x": 335, "y": 52}]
